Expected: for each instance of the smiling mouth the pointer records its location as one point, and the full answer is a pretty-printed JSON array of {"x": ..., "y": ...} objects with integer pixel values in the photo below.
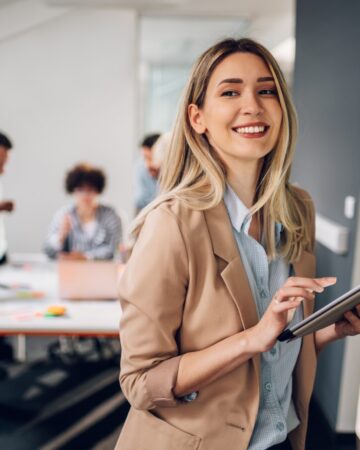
[{"x": 252, "y": 132}]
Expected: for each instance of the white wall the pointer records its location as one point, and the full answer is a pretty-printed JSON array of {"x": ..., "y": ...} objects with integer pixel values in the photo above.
[{"x": 68, "y": 94}]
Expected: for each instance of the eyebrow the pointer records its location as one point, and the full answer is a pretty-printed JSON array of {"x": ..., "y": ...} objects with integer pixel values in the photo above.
[{"x": 239, "y": 80}]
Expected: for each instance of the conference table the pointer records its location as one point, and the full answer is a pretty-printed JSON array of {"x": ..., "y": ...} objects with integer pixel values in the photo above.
[{"x": 29, "y": 286}]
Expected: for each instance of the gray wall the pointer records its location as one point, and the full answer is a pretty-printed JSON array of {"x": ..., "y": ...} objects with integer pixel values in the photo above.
[{"x": 327, "y": 97}]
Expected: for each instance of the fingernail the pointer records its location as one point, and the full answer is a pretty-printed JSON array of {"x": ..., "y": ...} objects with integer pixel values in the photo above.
[{"x": 326, "y": 281}]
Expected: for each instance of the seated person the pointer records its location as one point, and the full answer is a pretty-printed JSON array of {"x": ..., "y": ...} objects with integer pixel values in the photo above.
[{"x": 85, "y": 229}]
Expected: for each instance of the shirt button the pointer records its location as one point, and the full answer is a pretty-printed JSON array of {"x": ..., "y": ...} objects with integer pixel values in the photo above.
[
  {"x": 268, "y": 386},
  {"x": 280, "y": 426},
  {"x": 263, "y": 293},
  {"x": 273, "y": 351}
]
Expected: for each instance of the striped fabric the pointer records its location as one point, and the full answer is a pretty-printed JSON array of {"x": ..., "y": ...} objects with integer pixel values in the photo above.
[
  {"x": 276, "y": 415},
  {"x": 146, "y": 186},
  {"x": 102, "y": 244}
]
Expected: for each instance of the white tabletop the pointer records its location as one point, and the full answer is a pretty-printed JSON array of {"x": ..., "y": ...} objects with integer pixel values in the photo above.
[{"x": 25, "y": 315}]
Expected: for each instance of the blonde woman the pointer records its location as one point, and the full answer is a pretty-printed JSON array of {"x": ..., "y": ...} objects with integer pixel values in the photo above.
[{"x": 223, "y": 261}]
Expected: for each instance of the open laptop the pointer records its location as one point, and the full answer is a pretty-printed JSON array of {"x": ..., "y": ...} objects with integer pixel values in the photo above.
[{"x": 88, "y": 280}]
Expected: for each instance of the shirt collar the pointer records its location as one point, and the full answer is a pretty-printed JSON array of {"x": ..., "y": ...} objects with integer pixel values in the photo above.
[{"x": 239, "y": 214}]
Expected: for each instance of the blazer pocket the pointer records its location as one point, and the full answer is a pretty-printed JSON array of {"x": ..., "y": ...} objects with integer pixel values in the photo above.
[{"x": 144, "y": 431}]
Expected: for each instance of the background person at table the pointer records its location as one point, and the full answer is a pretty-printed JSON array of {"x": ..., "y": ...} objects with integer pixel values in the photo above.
[
  {"x": 86, "y": 229},
  {"x": 154, "y": 164},
  {"x": 160, "y": 150},
  {"x": 5, "y": 205},
  {"x": 146, "y": 175}
]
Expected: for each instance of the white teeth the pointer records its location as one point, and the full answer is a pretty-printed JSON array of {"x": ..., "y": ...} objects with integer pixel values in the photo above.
[{"x": 247, "y": 130}]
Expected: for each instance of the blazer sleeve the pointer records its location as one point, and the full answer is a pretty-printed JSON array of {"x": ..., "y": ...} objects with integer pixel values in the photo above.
[{"x": 152, "y": 294}]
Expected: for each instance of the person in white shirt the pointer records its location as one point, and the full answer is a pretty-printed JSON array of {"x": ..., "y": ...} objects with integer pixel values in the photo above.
[
  {"x": 5, "y": 205},
  {"x": 6, "y": 352}
]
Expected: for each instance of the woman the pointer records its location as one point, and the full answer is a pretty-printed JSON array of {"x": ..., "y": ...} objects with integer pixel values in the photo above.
[
  {"x": 223, "y": 261},
  {"x": 85, "y": 229}
]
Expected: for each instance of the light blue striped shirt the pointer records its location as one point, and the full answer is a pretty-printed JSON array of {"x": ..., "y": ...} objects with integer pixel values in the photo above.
[
  {"x": 146, "y": 186},
  {"x": 276, "y": 415}
]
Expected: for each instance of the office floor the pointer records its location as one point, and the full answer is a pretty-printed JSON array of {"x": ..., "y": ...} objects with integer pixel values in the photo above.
[{"x": 74, "y": 402}]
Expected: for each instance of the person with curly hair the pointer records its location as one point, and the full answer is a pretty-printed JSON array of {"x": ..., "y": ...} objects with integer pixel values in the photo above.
[{"x": 85, "y": 229}]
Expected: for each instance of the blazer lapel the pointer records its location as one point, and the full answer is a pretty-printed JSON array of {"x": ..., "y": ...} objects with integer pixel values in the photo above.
[{"x": 233, "y": 272}]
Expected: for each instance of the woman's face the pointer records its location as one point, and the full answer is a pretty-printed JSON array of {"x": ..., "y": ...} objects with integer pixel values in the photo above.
[{"x": 241, "y": 115}]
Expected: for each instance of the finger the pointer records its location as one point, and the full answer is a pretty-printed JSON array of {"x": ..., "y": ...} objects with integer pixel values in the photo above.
[
  {"x": 357, "y": 307},
  {"x": 285, "y": 293},
  {"x": 346, "y": 328},
  {"x": 327, "y": 281},
  {"x": 285, "y": 306},
  {"x": 309, "y": 283},
  {"x": 342, "y": 328},
  {"x": 353, "y": 319}
]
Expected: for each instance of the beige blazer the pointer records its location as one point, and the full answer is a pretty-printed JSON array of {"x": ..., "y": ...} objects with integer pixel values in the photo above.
[{"x": 184, "y": 289}]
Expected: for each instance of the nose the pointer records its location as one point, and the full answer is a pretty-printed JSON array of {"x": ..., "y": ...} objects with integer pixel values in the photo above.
[{"x": 251, "y": 104}]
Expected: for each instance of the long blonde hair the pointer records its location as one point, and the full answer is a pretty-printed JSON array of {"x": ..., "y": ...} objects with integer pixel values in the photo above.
[{"x": 193, "y": 173}]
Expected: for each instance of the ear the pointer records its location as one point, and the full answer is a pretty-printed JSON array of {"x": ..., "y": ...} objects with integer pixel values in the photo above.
[{"x": 196, "y": 118}]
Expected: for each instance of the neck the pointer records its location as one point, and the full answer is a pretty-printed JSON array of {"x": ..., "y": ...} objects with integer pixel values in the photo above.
[
  {"x": 86, "y": 212},
  {"x": 243, "y": 178}
]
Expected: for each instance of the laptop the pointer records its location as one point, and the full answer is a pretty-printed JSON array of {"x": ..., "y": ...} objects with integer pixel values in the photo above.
[{"x": 88, "y": 280}]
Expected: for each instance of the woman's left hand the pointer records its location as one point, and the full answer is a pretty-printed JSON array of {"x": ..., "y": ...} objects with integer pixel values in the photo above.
[{"x": 350, "y": 324}]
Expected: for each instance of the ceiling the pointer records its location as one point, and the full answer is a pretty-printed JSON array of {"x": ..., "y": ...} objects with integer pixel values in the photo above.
[
  {"x": 239, "y": 8},
  {"x": 180, "y": 40},
  {"x": 177, "y": 31}
]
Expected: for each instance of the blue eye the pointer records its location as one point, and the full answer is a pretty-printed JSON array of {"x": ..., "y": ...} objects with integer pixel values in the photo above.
[
  {"x": 229, "y": 94},
  {"x": 268, "y": 91}
]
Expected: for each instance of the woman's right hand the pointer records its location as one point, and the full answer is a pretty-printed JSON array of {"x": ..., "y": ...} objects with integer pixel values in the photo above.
[
  {"x": 65, "y": 228},
  {"x": 282, "y": 306}
]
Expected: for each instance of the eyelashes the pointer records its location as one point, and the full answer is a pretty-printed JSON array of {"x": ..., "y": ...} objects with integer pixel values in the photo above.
[
  {"x": 230, "y": 94},
  {"x": 233, "y": 93},
  {"x": 270, "y": 91}
]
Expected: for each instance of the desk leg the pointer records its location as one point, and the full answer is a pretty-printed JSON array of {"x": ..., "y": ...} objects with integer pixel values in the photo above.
[{"x": 21, "y": 348}]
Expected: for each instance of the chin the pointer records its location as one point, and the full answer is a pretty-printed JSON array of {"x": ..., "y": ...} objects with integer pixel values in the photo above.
[{"x": 251, "y": 154}]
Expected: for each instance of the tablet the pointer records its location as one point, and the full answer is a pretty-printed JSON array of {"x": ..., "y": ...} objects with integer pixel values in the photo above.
[{"x": 325, "y": 316}]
